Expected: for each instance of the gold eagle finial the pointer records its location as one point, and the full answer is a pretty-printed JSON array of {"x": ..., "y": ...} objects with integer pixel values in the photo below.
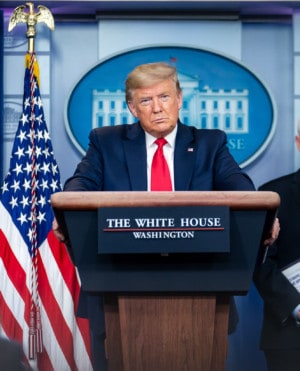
[{"x": 31, "y": 19}]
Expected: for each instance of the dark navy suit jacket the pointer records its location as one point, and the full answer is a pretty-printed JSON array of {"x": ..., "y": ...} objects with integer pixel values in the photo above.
[
  {"x": 279, "y": 329},
  {"x": 116, "y": 161}
]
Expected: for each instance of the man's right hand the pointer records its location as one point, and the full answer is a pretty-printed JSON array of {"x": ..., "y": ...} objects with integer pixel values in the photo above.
[{"x": 57, "y": 231}]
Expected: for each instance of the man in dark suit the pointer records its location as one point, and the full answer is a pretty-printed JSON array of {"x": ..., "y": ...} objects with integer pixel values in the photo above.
[
  {"x": 280, "y": 336},
  {"x": 119, "y": 158}
]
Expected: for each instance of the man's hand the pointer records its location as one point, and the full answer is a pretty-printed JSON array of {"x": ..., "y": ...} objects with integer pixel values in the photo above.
[
  {"x": 57, "y": 231},
  {"x": 273, "y": 234}
]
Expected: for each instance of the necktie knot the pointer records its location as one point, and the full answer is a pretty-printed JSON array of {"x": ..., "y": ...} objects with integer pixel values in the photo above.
[{"x": 160, "y": 142}]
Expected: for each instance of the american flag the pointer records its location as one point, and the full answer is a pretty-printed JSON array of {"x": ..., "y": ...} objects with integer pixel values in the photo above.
[{"x": 39, "y": 286}]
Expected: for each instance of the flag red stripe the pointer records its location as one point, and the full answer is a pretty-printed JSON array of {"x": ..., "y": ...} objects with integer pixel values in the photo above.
[
  {"x": 67, "y": 268},
  {"x": 44, "y": 363},
  {"x": 57, "y": 320},
  {"x": 84, "y": 328},
  {"x": 14, "y": 270},
  {"x": 63, "y": 334},
  {"x": 15, "y": 273},
  {"x": 8, "y": 322},
  {"x": 68, "y": 271}
]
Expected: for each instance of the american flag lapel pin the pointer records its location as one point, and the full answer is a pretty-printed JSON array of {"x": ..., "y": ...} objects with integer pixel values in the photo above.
[{"x": 190, "y": 149}]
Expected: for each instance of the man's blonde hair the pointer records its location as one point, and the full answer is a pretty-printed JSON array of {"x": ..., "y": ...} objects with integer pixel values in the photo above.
[{"x": 149, "y": 74}]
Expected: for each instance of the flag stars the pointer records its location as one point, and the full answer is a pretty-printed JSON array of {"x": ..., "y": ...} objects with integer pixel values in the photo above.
[
  {"x": 46, "y": 152},
  {"x": 20, "y": 152},
  {"x": 44, "y": 184},
  {"x": 22, "y": 136},
  {"x": 13, "y": 202},
  {"x": 24, "y": 119},
  {"x": 34, "y": 86},
  {"x": 46, "y": 135},
  {"x": 45, "y": 167},
  {"x": 16, "y": 185},
  {"x": 54, "y": 169},
  {"x": 30, "y": 234},
  {"x": 39, "y": 102},
  {"x": 18, "y": 169},
  {"x": 39, "y": 135},
  {"x": 37, "y": 167},
  {"x": 41, "y": 217},
  {"x": 26, "y": 184},
  {"x": 54, "y": 185},
  {"x": 34, "y": 99},
  {"x": 22, "y": 218},
  {"x": 29, "y": 151},
  {"x": 24, "y": 202},
  {"x": 39, "y": 119},
  {"x": 4, "y": 187},
  {"x": 33, "y": 174},
  {"x": 42, "y": 201},
  {"x": 26, "y": 103},
  {"x": 28, "y": 168},
  {"x": 32, "y": 217},
  {"x": 38, "y": 151}
]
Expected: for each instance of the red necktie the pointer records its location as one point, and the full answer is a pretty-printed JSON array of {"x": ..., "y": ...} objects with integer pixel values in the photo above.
[{"x": 160, "y": 174}]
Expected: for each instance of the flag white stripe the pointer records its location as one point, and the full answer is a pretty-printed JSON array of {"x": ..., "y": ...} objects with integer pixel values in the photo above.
[
  {"x": 66, "y": 304},
  {"x": 14, "y": 302},
  {"x": 54, "y": 351}
]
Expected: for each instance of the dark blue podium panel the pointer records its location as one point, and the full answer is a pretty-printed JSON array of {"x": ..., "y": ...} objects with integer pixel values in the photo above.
[
  {"x": 205, "y": 272},
  {"x": 173, "y": 229}
]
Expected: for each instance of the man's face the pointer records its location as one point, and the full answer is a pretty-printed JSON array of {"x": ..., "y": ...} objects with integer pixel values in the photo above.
[{"x": 157, "y": 107}]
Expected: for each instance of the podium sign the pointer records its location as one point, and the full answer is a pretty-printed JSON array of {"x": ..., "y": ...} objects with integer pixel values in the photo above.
[{"x": 185, "y": 229}]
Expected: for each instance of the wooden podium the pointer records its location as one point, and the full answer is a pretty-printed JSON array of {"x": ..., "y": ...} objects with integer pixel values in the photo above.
[{"x": 166, "y": 312}]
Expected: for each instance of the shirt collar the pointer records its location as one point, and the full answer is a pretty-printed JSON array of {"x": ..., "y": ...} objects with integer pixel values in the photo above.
[{"x": 170, "y": 138}]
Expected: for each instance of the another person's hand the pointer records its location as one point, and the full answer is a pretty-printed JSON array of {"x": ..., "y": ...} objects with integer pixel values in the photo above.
[
  {"x": 273, "y": 234},
  {"x": 57, "y": 231}
]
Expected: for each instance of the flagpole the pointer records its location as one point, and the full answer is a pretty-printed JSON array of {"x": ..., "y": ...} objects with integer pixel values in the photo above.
[
  {"x": 52, "y": 295},
  {"x": 35, "y": 341}
]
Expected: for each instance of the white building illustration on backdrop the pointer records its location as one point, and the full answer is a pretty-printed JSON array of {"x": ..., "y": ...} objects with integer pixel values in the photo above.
[{"x": 202, "y": 107}]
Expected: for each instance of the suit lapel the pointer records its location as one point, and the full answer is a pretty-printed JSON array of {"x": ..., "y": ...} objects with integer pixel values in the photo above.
[
  {"x": 136, "y": 157},
  {"x": 184, "y": 157}
]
